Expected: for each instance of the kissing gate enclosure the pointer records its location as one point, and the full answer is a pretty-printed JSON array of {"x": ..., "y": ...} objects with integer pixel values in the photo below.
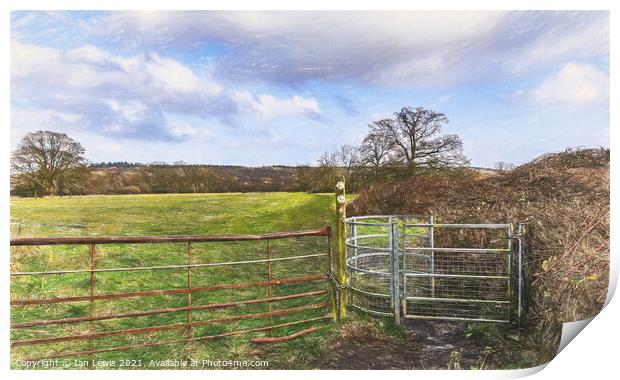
[
  {"x": 96, "y": 295},
  {"x": 403, "y": 266}
]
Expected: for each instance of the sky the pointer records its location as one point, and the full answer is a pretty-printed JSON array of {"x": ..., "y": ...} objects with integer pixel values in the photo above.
[{"x": 262, "y": 88}]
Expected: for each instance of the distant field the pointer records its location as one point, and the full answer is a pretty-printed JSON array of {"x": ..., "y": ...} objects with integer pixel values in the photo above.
[{"x": 170, "y": 214}]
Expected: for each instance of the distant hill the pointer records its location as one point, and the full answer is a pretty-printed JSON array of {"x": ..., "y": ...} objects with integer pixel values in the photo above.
[
  {"x": 136, "y": 178},
  {"x": 160, "y": 177}
]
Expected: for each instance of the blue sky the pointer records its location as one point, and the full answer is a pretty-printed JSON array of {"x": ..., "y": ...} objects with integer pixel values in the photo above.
[{"x": 260, "y": 88}]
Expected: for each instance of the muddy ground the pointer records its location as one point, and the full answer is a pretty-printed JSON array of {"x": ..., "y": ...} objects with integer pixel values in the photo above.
[{"x": 428, "y": 345}]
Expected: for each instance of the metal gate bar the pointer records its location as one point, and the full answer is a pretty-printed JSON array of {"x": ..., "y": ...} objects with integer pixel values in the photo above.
[
  {"x": 370, "y": 266},
  {"x": 399, "y": 265},
  {"x": 305, "y": 302}
]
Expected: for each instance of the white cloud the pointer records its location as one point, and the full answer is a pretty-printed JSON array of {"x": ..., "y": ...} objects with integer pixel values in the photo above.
[
  {"x": 22, "y": 119},
  {"x": 130, "y": 95},
  {"x": 422, "y": 47},
  {"x": 131, "y": 110},
  {"x": 400, "y": 27},
  {"x": 268, "y": 106},
  {"x": 89, "y": 67},
  {"x": 174, "y": 77},
  {"x": 574, "y": 84},
  {"x": 27, "y": 59},
  {"x": 560, "y": 36},
  {"x": 51, "y": 67},
  {"x": 89, "y": 53}
]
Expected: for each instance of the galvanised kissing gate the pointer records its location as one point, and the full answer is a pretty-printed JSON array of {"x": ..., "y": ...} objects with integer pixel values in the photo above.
[{"x": 402, "y": 265}]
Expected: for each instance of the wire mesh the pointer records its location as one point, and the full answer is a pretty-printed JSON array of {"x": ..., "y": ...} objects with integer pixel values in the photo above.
[
  {"x": 458, "y": 272},
  {"x": 443, "y": 271},
  {"x": 368, "y": 263}
]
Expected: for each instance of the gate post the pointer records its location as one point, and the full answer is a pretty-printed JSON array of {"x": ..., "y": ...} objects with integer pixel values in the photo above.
[
  {"x": 520, "y": 232},
  {"x": 431, "y": 244},
  {"x": 509, "y": 264},
  {"x": 341, "y": 211},
  {"x": 394, "y": 266},
  {"x": 353, "y": 235}
]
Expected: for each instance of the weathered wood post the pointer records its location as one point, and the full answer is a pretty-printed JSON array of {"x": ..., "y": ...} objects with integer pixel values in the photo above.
[{"x": 341, "y": 211}]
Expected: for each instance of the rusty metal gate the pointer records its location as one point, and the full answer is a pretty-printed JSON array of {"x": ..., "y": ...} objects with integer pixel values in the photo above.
[
  {"x": 406, "y": 267},
  {"x": 87, "y": 296}
]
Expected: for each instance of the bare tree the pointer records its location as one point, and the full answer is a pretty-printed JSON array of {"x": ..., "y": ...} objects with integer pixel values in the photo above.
[
  {"x": 504, "y": 166},
  {"x": 48, "y": 162},
  {"x": 375, "y": 149},
  {"x": 348, "y": 155},
  {"x": 328, "y": 159},
  {"x": 348, "y": 159},
  {"x": 322, "y": 176},
  {"x": 413, "y": 137}
]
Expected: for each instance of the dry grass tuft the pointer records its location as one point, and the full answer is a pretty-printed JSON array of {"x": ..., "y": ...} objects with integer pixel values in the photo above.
[{"x": 359, "y": 331}]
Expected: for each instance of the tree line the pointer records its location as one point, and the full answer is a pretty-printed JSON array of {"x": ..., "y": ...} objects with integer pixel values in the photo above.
[
  {"x": 393, "y": 148},
  {"x": 51, "y": 163}
]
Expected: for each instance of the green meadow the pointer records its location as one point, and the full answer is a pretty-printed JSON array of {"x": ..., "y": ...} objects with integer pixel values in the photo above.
[{"x": 171, "y": 214}]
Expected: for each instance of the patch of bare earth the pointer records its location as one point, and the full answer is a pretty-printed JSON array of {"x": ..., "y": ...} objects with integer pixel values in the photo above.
[{"x": 427, "y": 345}]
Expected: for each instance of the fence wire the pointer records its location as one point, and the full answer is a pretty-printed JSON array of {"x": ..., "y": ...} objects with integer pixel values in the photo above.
[{"x": 424, "y": 270}]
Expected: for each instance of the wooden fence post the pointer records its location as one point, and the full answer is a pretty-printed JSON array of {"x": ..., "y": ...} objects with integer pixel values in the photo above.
[{"x": 341, "y": 211}]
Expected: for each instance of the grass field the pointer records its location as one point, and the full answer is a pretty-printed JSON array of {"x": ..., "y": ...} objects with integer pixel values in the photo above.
[{"x": 169, "y": 214}]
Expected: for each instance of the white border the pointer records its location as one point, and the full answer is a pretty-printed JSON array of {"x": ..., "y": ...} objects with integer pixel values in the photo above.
[{"x": 594, "y": 351}]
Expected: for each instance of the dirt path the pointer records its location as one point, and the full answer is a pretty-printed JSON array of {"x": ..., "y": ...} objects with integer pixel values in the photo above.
[{"x": 429, "y": 345}]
